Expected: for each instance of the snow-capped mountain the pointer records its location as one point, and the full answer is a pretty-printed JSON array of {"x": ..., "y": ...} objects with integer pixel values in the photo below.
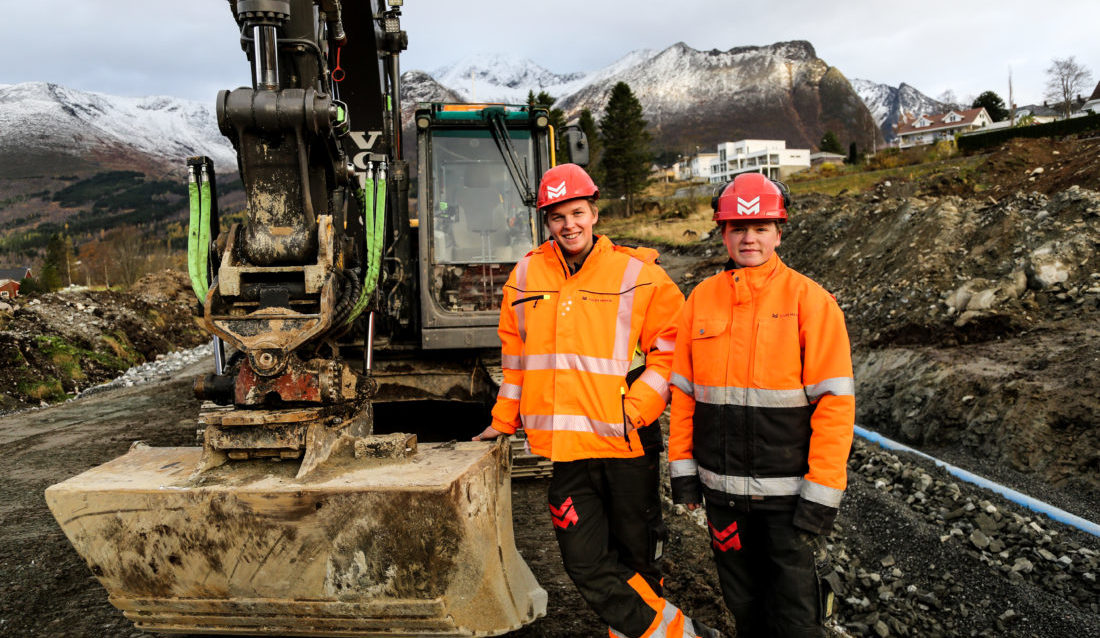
[
  {"x": 691, "y": 97},
  {"x": 887, "y": 103},
  {"x": 502, "y": 78},
  {"x": 44, "y": 123}
]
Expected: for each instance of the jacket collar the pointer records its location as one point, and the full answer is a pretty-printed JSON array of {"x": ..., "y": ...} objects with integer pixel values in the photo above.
[
  {"x": 756, "y": 276},
  {"x": 552, "y": 251}
]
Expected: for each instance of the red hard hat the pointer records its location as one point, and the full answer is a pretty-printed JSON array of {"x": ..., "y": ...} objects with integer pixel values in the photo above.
[
  {"x": 565, "y": 182},
  {"x": 752, "y": 196}
]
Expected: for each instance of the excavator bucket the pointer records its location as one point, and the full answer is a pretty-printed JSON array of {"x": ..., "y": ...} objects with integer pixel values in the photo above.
[{"x": 420, "y": 546}]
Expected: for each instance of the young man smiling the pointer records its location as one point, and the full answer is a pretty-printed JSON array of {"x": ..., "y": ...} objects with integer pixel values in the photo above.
[
  {"x": 763, "y": 410},
  {"x": 575, "y": 312}
]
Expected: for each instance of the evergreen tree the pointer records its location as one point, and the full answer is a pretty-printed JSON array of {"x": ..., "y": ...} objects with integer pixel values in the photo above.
[
  {"x": 993, "y": 104},
  {"x": 626, "y": 154},
  {"x": 830, "y": 143},
  {"x": 56, "y": 268},
  {"x": 595, "y": 146}
]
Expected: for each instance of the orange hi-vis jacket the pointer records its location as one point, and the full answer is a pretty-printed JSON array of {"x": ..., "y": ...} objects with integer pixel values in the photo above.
[
  {"x": 567, "y": 341},
  {"x": 763, "y": 399}
]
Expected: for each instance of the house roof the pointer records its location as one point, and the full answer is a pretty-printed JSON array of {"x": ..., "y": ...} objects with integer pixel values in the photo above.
[
  {"x": 1095, "y": 93},
  {"x": 1038, "y": 110},
  {"x": 969, "y": 116},
  {"x": 15, "y": 274}
]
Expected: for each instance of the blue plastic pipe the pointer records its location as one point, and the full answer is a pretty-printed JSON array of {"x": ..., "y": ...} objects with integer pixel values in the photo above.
[{"x": 1036, "y": 505}]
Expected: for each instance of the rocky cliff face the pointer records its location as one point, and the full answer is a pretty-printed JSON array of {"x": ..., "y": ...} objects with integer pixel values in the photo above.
[
  {"x": 887, "y": 103},
  {"x": 782, "y": 91}
]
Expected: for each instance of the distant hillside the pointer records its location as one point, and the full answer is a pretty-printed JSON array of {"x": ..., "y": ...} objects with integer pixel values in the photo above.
[{"x": 88, "y": 162}]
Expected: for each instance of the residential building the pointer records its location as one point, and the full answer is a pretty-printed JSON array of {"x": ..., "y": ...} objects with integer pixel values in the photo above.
[
  {"x": 15, "y": 274},
  {"x": 820, "y": 157},
  {"x": 1092, "y": 105},
  {"x": 1038, "y": 113},
  {"x": 695, "y": 168},
  {"x": 928, "y": 129},
  {"x": 9, "y": 289},
  {"x": 770, "y": 157}
]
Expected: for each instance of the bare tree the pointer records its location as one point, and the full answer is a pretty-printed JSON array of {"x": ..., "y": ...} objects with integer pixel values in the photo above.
[
  {"x": 1065, "y": 78},
  {"x": 950, "y": 100}
]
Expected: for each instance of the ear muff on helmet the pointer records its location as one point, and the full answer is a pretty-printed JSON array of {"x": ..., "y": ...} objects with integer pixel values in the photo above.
[
  {"x": 784, "y": 190},
  {"x": 718, "y": 193}
]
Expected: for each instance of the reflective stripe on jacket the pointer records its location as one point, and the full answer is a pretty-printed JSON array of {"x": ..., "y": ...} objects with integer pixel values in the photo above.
[
  {"x": 763, "y": 399},
  {"x": 567, "y": 342}
]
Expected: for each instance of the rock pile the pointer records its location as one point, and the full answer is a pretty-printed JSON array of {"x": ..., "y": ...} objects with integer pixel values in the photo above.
[{"x": 969, "y": 562}]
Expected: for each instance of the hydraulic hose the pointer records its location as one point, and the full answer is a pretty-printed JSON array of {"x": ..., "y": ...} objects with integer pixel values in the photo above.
[
  {"x": 372, "y": 198},
  {"x": 198, "y": 232},
  {"x": 1033, "y": 504}
]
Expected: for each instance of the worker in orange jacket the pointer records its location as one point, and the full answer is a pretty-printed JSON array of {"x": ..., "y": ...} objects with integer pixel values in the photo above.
[
  {"x": 763, "y": 411},
  {"x": 575, "y": 312}
]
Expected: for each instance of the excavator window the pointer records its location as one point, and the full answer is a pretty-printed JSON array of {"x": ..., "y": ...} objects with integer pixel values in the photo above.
[{"x": 480, "y": 226}]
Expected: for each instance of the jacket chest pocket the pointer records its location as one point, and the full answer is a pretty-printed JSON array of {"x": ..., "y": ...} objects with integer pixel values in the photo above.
[
  {"x": 709, "y": 349},
  {"x": 777, "y": 354}
]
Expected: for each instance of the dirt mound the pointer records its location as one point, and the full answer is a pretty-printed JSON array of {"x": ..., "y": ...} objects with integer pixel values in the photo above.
[
  {"x": 166, "y": 286},
  {"x": 56, "y": 345}
]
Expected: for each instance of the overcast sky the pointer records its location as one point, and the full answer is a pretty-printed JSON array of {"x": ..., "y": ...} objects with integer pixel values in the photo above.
[{"x": 189, "y": 49}]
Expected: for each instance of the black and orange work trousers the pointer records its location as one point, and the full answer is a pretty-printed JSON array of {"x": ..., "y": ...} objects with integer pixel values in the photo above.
[
  {"x": 768, "y": 569},
  {"x": 607, "y": 518}
]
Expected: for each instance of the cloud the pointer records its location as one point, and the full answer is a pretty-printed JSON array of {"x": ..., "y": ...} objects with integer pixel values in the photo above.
[{"x": 191, "y": 49}]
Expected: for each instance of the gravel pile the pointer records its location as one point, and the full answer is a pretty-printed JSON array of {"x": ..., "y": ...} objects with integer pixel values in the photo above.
[{"x": 160, "y": 369}]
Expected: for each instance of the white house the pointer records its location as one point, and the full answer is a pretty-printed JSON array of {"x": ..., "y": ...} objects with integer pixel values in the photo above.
[
  {"x": 1092, "y": 105},
  {"x": 820, "y": 157},
  {"x": 695, "y": 168},
  {"x": 770, "y": 157},
  {"x": 928, "y": 129}
]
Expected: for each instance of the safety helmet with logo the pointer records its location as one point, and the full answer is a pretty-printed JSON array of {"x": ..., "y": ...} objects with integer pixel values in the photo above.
[
  {"x": 752, "y": 196},
  {"x": 565, "y": 182}
]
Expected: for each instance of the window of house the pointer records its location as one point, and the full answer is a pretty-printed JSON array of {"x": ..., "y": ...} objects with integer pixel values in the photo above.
[{"x": 3, "y": 294}]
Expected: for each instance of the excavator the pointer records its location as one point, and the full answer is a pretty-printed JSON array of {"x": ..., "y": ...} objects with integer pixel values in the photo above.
[{"x": 336, "y": 491}]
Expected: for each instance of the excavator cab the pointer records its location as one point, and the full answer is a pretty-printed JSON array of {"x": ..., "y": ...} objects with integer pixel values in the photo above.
[{"x": 478, "y": 168}]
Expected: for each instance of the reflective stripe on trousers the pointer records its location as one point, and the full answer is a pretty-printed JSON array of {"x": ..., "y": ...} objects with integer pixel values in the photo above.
[{"x": 670, "y": 621}]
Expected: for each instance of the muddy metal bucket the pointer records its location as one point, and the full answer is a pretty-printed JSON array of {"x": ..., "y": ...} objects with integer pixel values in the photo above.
[{"x": 419, "y": 547}]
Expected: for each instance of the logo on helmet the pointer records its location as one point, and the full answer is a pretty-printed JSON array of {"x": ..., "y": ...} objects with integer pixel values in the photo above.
[
  {"x": 554, "y": 192},
  {"x": 748, "y": 207}
]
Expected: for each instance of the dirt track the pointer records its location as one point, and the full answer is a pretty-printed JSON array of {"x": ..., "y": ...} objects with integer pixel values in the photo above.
[{"x": 901, "y": 574}]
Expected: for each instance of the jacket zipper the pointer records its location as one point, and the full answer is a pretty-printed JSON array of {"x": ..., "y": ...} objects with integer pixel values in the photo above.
[{"x": 626, "y": 422}]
